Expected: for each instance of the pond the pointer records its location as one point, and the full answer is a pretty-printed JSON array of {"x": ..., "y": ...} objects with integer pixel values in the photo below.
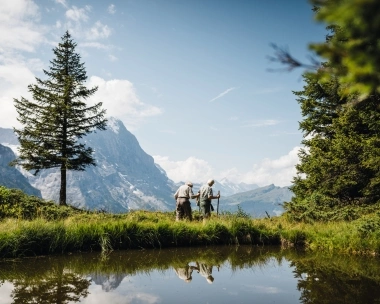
[{"x": 223, "y": 274}]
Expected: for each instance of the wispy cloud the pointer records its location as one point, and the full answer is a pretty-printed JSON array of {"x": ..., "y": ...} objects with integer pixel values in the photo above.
[
  {"x": 111, "y": 9},
  {"x": 78, "y": 14},
  {"x": 112, "y": 58},
  {"x": 222, "y": 94},
  {"x": 98, "y": 31},
  {"x": 260, "y": 123},
  {"x": 62, "y": 2},
  {"x": 193, "y": 169},
  {"x": 96, "y": 45}
]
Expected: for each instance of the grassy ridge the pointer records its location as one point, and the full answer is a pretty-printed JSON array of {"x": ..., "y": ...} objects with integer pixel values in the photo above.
[{"x": 30, "y": 226}]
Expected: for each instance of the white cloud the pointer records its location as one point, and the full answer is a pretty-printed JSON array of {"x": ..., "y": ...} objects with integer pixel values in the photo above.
[
  {"x": 78, "y": 14},
  {"x": 20, "y": 32},
  {"x": 278, "y": 171},
  {"x": 18, "y": 19},
  {"x": 112, "y": 58},
  {"x": 111, "y": 9},
  {"x": 121, "y": 101},
  {"x": 62, "y": 2},
  {"x": 95, "y": 45},
  {"x": 126, "y": 294},
  {"x": 14, "y": 79},
  {"x": 222, "y": 94},
  {"x": 77, "y": 22},
  {"x": 193, "y": 169},
  {"x": 98, "y": 31}
]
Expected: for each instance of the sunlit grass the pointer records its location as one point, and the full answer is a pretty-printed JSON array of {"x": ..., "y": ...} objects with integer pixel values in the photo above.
[{"x": 78, "y": 230}]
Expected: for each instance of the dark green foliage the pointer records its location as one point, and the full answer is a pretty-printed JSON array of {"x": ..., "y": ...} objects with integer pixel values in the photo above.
[
  {"x": 16, "y": 204},
  {"x": 356, "y": 62},
  {"x": 339, "y": 166},
  {"x": 58, "y": 117}
]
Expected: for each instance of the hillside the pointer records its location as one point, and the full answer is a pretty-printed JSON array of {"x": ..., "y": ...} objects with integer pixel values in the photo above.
[{"x": 258, "y": 201}]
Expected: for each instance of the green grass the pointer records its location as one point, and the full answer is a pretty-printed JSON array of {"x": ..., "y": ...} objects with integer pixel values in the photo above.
[{"x": 30, "y": 226}]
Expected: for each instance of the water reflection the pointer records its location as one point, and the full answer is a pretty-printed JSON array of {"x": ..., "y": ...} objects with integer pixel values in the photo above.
[{"x": 213, "y": 275}]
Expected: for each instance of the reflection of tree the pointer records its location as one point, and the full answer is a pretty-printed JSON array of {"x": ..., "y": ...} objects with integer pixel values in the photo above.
[
  {"x": 331, "y": 283},
  {"x": 58, "y": 286}
]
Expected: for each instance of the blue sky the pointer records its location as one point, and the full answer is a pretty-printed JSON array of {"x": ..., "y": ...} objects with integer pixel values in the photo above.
[{"x": 189, "y": 79}]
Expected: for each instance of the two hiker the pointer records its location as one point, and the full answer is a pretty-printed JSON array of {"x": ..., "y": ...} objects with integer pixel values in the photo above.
[
  {"x": 203, "y": 268},
  {"x": 204, "y": 196}
]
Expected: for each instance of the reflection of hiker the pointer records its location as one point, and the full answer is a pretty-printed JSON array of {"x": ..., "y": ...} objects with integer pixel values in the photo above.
[
  {"x": 206, "y": 272},
  {"x": 205, "y": 198},
  {"x": 182, "y": 197},
  {"x": 184, "y": 273}
]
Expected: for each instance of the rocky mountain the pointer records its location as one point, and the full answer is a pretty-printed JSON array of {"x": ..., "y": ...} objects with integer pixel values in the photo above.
[
  {"x": 125, "y": 177},
  {"x": 8, "y": 137},
  {"x": 258, "y": 201},
  {"x": 10, "y": 177}
]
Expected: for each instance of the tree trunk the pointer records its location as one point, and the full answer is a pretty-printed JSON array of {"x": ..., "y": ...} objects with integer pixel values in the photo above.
[{"x": 62, "y": 192}]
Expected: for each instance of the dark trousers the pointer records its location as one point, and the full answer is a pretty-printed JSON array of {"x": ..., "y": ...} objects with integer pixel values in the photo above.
[
  {"x": 183, "y": 209},
  {"x": 205, "y": 208}
]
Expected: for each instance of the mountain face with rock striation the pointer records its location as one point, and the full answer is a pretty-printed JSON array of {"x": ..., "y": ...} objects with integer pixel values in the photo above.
[
  {"x": 258, "y": 202},
  {"x": 124, "y": 178},
  {"x": 10, "y": 177}
]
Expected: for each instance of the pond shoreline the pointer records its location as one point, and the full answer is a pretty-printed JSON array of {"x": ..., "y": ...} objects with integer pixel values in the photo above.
[{"x": 148, "y": 229}]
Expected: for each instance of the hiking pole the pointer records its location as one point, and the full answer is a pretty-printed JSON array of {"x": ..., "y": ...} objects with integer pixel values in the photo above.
[{"x": 217, "y": 206}]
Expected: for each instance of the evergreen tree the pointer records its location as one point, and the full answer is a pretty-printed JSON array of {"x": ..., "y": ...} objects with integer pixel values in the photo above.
[
  {"x": 58, "y": 118},
  {"x": 339, "y": 166}
]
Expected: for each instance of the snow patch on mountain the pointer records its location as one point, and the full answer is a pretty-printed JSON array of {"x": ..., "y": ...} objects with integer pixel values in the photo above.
[{"x": 113, "y": 124}]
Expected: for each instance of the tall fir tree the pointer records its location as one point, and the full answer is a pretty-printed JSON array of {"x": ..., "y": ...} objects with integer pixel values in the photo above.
[
  {"x": 58, "y": 117},
  {"x": 339, "y": 166}
]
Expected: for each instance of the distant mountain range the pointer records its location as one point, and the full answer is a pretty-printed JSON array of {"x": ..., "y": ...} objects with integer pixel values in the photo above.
[
  {"x": 258, "y": 202},
  {"x": 225, "y": 187},
  {"x": 126, "y": 178}
]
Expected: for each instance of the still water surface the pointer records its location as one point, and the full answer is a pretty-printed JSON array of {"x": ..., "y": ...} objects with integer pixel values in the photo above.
[{"x": 241, "y": 274}]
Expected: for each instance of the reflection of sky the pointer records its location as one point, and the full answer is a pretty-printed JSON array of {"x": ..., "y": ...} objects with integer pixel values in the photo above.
[
  {"x": 271, "y": 283},
  {"x": 5, "y": 293}
]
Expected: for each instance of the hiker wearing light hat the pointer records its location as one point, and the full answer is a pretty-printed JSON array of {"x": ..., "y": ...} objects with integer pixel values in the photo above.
[{"x": 182, "y": 197}]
